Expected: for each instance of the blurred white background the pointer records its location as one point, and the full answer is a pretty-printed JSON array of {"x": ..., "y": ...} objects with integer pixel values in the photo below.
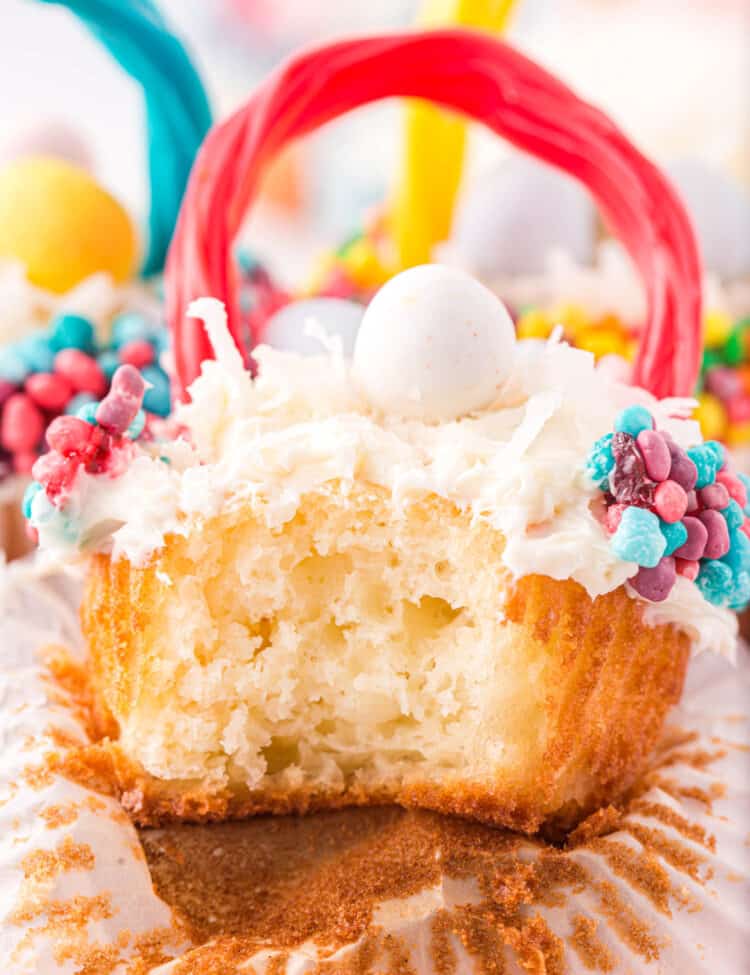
[{"x": 675, "y": 73}]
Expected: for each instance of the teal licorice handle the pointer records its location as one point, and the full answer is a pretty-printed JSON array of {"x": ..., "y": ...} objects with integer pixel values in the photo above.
[{"x": 177, "y": 109}]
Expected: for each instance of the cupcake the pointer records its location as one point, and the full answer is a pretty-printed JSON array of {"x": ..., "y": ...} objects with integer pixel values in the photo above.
[
  {"x": 72, "y": 308},
  {"x": 657, "y": 884},
  {"x": 460, "y": 571}
]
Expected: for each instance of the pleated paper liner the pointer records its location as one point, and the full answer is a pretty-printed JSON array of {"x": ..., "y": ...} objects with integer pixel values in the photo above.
[{"x": 660, "y": 886}]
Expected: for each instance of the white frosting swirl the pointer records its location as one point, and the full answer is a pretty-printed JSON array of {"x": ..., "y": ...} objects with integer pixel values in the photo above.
[{"x": 517, "y": 465}]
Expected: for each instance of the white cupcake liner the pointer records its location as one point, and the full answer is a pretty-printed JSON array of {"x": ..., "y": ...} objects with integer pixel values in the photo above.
[{"x": 76, "y": 894}]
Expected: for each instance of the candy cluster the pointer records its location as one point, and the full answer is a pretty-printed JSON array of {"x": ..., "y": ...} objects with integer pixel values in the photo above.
[
  {"x": 65, "y": 370},
  {"x": 673, "y": 511},
  {"x": 98, "y": 440}
]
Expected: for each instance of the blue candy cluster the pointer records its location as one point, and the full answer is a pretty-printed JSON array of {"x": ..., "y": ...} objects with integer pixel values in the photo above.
[{"x": 674, "y": 512}]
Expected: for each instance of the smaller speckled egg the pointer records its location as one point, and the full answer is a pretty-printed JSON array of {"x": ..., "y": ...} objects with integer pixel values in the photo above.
[{"x": 336, "y": 316}]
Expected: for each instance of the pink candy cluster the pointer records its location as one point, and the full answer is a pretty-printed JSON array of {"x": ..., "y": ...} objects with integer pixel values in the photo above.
[{"x": 97, "y": 448}]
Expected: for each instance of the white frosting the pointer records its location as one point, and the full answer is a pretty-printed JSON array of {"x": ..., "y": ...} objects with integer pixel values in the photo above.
[
  {"x": 517, "y": 465},
  {"x": 434, "y": 344}
]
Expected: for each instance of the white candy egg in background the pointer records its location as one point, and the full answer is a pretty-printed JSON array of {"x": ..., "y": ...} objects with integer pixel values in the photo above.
[
  {"x": 517, "y": 213},
  {"x": 434, "y": 344},
  {"x": 720, "y": 210},
  {"x": 52, "y": 138},
  {"x": 286, "y": 328}
]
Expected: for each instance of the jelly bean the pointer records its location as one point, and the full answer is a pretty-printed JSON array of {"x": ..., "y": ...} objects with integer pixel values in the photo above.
[
  {"x": 601, "y": 461},
  {"x": 738, "y": 408},
  {"x": 734, "y": 347},
  {"x": 22, "y": 424},
  {"x": 6, "y": 390},
  {"x": 692, "y": 502},
  {"x": 88, "y": 411},
  {"x": 683, "y": 470},
  {"x": 157, "y": 399},
  {"x": 675, "y": 534},
  {"x": 128, "y": 381},
  {"x": 160, "y": 340},
  {"x": 138, "y": 353},
  {"x": 711, "y": 358},
  {"x": 715, "y": 581},
  {"x": 247, "y": 262},
  {"x": 24, "y": 460},
  {"x": 735, "y": 488},
  {"x": 81, "y": 371},
  {"x": 629, "y": 482},
  {"x": 49, "y": 391},
  {"x": 128, "y": 327},
  {"x": 656, "y": 456},
  {"x": 688, "y": 569},
  {"x": 28, "y": 497},
  {"x": 633, "y": 419},
  {"x": 69, "y": 331},
  {"x": 670, "y": 501},
  {"x": 716, "y": 328},
  {"x": 714, "y": 496},
  {"x": 638, "y": 538},
  {"x": 13, "y": 369},
  {"x": 746, "y": 484},
  {"x": 705, "y": 464},
  {"x": 137, "y": 426},
  {"x": 723, "y": 382},
  {"x": 717, "y": 542},
  {"x": 695, "y": 545},
  {"x": 108, "y": 363},
  {"x": 36, "y": 353},
  {"x": 712, "y": 416},
  {"x": 78, "y": 402},
  {"x": 656, "y": 583},
  {"x": 734, "y": 516}
]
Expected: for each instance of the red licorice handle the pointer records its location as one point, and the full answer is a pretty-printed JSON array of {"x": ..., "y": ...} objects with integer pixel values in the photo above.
[{"x": 489, "y": 81}]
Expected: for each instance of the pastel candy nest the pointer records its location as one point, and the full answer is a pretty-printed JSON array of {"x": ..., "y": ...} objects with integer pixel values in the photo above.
[{"x": 672, "y": 511}]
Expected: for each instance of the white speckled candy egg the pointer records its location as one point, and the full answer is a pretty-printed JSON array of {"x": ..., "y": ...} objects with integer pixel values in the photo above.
[
  {"x": 720, "y": 211},
  {"x": 336, "y": 316},
  {"x": 519, "y": 212},
  {"x": 434, "y": 344}
]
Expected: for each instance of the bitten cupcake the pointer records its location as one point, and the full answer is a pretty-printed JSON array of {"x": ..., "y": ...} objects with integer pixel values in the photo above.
[{"x": 458, "y": 571}]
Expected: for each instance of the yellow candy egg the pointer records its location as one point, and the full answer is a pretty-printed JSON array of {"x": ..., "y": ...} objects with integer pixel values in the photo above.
[
  {"x": 712, "y": 416},
  {"x": 61, "y": 225}
]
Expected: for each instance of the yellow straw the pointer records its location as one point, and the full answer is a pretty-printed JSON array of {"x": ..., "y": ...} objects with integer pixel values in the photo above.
[{"x": 435, "y": 144}]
